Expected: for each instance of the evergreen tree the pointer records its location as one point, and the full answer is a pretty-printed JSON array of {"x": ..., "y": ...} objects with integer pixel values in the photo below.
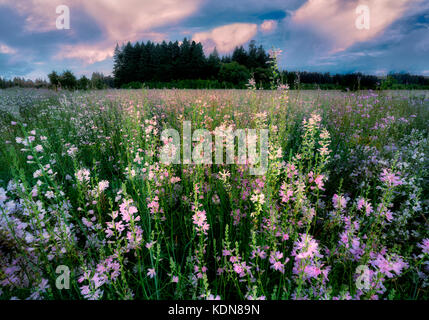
[
  {"x": 240, "y": 56},
  {"x": 83, "y": 83},
  {"x": 54, "y": 79},
  {"x": 213, "y": 65}
]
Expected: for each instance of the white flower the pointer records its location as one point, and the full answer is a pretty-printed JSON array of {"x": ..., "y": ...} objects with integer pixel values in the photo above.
[
  {"x": 258, "y": 198},
  {"x": 37, "y": 173},
  {"x": 103, "y": 185},
  {"x": 72, "y": 151},
  {"x": 83, "y": 175},
  {"x": 49, "y": 194}
]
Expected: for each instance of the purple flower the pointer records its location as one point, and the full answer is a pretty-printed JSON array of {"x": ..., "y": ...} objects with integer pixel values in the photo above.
[
  {"x": 390, "y": 178},
  {"x": 424, "y": 246}
]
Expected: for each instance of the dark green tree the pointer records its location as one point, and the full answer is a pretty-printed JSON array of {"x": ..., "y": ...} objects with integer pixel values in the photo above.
[
  {"x": 54, "y": 79},
  {"x": 68, "y": 80},
  {"x": 234, "y": 73},
  {"x": 83, "y": 83}
]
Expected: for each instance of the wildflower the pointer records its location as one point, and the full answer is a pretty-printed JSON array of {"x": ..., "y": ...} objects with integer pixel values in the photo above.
[
  {"x": 250, "y": 297},
  {"x": 154, "y": 205},
  {"x": 258, "y": 198},
  {"x": 49, "y": 194},
  {"x": 149, "y": 245},
  {"x": 72, "y": 151},
  {"x": 285, "y": 193},
  {"x": 224, "y": 174},
  {"x": 38, "y": 148},
  {"x": 151, "y": 273},
  {"x": 199, "y": 219},
  {"x": 37, "y": 174},
  {"x": 83, "y": 175},
  {"x": 215, "y": 199},
  {"x": 363, "y": 203},
  {"x": 306, "y": 247},
  {"x": 226, "y": 253},
  {"x": 390, "y": 178},
  {"x": 424, "y": 245},
  {"x": 339, "y": 202},
  {"x": 392, "y": 263},
  {"x": 319, "y": 181}
]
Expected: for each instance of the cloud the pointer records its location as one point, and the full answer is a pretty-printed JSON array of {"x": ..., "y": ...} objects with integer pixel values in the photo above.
[
  {"x": 130, "y": 18},
  {"x": 6, "y": 49},
  {"x": 40, "y": 15},
  {"x": 119, "y": 21},
  {"x": 335, "y": 19},
  {"x": 226, "y": 38},
  {"x": 268, "y": 26},
  {"x": 88, "y": 53},
  {"x": 91, "y": 53}
]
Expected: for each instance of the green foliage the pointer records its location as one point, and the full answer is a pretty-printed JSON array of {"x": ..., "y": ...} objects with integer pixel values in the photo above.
[
  {"x": 83, "y": 83},
  {"x": 173, "y": 62},
  {"x": 68, "y": 80},
  {"x": 58, "y": 205},
  {"x": 235, "y": 73}
]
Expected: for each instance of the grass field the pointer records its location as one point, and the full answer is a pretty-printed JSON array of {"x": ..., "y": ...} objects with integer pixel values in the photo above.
[{"x": 340, "y": 213}]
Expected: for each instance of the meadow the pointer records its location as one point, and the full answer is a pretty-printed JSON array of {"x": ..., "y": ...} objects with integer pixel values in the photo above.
[{"x": 88, "y": 210}]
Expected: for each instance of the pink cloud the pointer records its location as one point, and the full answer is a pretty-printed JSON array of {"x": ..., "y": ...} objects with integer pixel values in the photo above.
[
  {"x": 40, "y": 15},
  {"x": 227, "y": 37},
  {"x": 335, "y": 19},
  {"x": 91, "y": 53},
  {"x": 268, "y": 26},
  {"x": 6, "y": 49},
  {"x": 128, "y": 19},
  {"x": 88, "y": 53},
  {"x": 120, "y": 21}
]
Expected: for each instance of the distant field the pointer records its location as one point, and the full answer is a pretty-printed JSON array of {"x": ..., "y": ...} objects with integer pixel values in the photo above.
[{"x": 339, "y": 212}]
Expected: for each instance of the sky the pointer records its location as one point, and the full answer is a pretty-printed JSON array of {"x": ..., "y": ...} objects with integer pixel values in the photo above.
[{"x": 314, "y": 35}]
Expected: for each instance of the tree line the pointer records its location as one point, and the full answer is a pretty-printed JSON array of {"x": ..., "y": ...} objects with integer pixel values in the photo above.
[
  {"x": 67, "y": 80},
  {"x": 173, "y": 62},
  {"x": 353, "y": 81},
  {"x": 184, "y": 65},
  {"x": 23, "y": 83}
]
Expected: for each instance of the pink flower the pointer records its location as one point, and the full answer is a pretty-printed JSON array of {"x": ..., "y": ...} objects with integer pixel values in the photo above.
[
  {"x": 388, "y": 177},
  {"x": 151, "y": 273},
  {"x": 363, "y": 203},
  {"x": 199, "y": 219},
  {"x": 278, "y": 266},
  {"x": 286, "y": 193},
  {"x": 339, "y": 201},
  {"x": 392, "y": 263},
  {"x": 424, "y": 246}
]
